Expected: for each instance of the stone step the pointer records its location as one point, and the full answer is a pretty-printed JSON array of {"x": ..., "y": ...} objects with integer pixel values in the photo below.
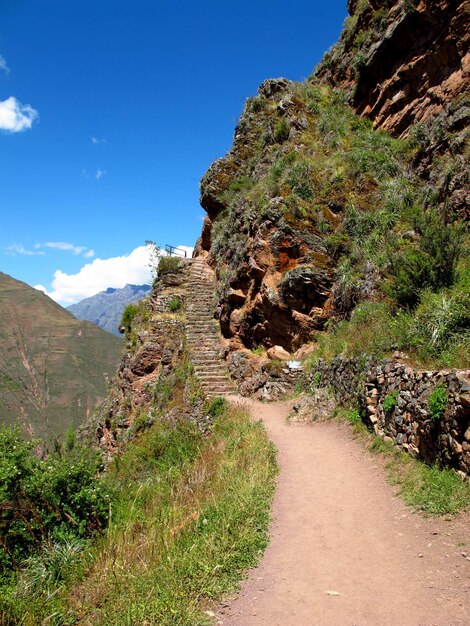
[
  {"x": 217, "y": 390},
  {"x": 213, "y": 377},
  {"x": 204, "y": 350},
  {"x": 202, "y": 327},
  {"x": 202, "y": 333},
  {"x": 211, "y": 366},
  {"x": 204, "y": 339},
  {"x": 215, "y": 385}
]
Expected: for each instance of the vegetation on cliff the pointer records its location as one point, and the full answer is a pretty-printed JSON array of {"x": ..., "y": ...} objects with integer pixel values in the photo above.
[{"x": 314, "y": 212}]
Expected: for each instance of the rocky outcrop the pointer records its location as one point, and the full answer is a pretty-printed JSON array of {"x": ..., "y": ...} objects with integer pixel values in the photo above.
[
  {"x": 406, "y": 66},
  {"x": 263, "y": 377},
  {"x": 155, "y": 347},
  {"x": 273, "y": 270},
  {"x": 173, "y": 361},
  {"x": 402, "y": 62},
  {"x": 285, "y": 203},
  {"x": 425, "y": 413}
]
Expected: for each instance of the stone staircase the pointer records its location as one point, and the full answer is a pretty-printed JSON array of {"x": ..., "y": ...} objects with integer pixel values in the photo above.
[{"x": 202, "y": 332}]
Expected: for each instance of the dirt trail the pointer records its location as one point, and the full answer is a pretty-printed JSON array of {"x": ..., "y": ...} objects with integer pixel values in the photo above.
[{"x": 344, "y": 549}]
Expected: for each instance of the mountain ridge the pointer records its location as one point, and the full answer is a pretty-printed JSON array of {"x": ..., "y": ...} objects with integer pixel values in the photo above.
[
  {"x": 106, "y": 307},
  {"x": 52, "y": 366}
]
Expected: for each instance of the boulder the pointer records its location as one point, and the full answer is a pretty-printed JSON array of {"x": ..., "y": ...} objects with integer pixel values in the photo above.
[{"x": 278, "y": 352}]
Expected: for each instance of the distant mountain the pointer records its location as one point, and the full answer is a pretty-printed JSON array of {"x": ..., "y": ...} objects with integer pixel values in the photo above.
[
  {"x": 53, "y": 367},
  {"x": 106, "y": 308}
]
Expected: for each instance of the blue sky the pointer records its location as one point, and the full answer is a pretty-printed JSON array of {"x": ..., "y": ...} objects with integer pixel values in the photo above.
[{"x": 112, "y": 111}]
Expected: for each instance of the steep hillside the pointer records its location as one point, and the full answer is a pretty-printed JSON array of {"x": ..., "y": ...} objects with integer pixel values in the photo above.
[
  {"x": 401, "y": 62},
  {"x": 52, "y": 367},
  {"x": 406, "y": 66},
  {"x": 105, "y": 308},
  {"x": 314, "y": 211}
]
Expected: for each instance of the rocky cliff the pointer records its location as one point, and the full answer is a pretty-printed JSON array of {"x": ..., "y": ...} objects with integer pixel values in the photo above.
[
  {"x": 401, "y": 62},
  {"x": 406, "y": 66},
  {"x": 312, "y": 208}
]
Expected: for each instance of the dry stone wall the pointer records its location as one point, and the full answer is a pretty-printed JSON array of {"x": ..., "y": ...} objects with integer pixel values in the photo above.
[{"x": 399, "y": 403}]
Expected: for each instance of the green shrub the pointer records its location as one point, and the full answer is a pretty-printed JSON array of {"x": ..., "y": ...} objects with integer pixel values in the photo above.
[
  {"x": 316, "y": 379},
  {"x": 337, "y": 244},
  {"x": 432, "y": 264},
  {"x": 168, "y": 265},
  {"x": 217, "y": 407},
  {"x": 281, "y": 130},
  {"x": 354, "y": 416},
  {"x": 174, "y": 305},
  {"x": 44, "y": 500},
  {"x": 437, "y": 403},
  {"x": 390, "y": 401},
  {"x": 128, "y": 316},
  {"x": 359, "y": 62}
]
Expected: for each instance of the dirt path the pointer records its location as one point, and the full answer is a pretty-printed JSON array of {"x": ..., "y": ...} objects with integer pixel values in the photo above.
[{"x": 344, "y": 549}]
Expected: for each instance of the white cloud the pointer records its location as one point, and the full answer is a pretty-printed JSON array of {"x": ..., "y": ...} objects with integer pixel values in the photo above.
[
  {"x": 18, "y": 248},
  {"x": 3, "y": 65},
  {"x": 100, "y": 173},
  {"x": 62, "y": 245},
  {"x": 100, "y": 274},
  {"x": 16, "y": 117},
  {"x": 66, "y": 246},
  {"x": 97, "y": 140}
]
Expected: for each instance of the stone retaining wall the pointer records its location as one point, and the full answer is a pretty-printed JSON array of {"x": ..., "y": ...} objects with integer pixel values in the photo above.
[
  {"x": 163, "y": 302},
  {"x": 406, "y": 419}
]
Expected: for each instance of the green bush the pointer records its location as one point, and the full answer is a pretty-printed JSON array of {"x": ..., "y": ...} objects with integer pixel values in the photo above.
[
  {"x": 354, "y": 416},
  {"x": 46, "y": 500},
  {"x": 432, "y": 264},
  {"x": 390, "y": 401},
  {"x": 217, "y": 407},
  {"x": 168, "y": 265},
  {"x": 174, "y": 305},
  {"x": 437, "y": 402},
  {"x": 128, "y": 316},
  {"x": 281, "y": 130}
]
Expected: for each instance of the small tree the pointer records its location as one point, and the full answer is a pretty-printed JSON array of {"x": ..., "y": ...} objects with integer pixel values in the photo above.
[{"x": 155, "y": 253}]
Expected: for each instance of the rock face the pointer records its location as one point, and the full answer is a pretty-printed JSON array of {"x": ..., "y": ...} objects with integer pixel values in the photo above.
[
  {"x": 265, "y": 296},
  {"x": 406, "y": 66},
  {"x": 402, "y": 62},
  {"x": 290, "y": 207}
]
